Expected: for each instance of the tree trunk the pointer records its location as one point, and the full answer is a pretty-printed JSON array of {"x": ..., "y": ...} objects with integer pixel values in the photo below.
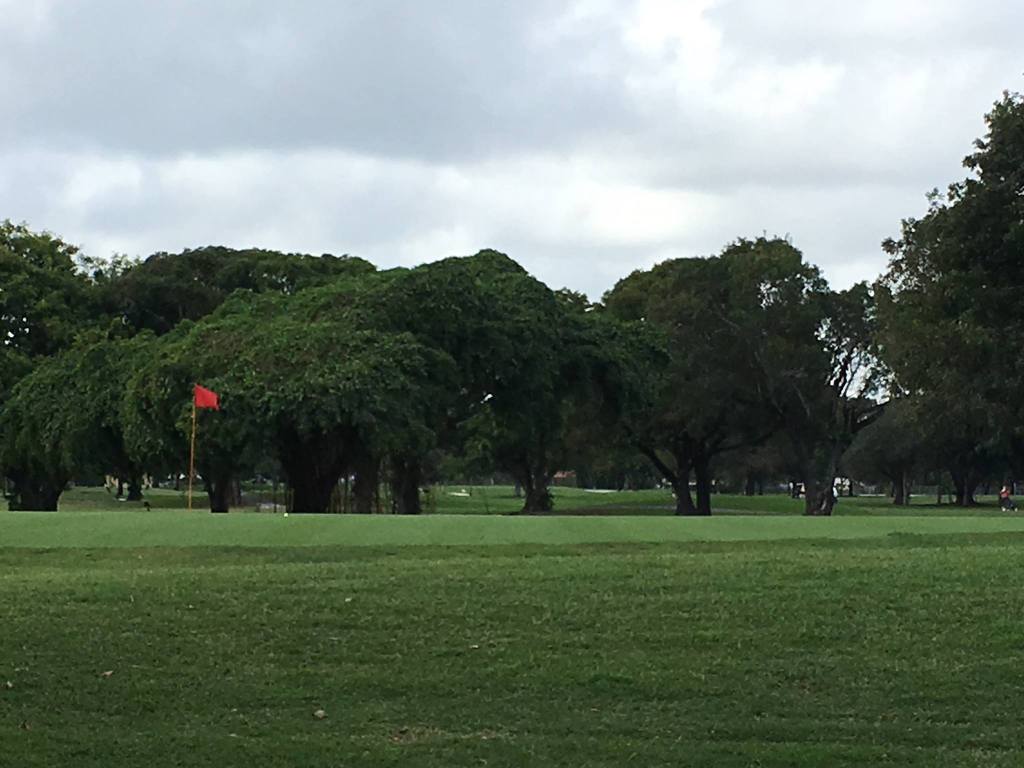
[
  {"x": 35, "y": 494},
  {"x": 405, "y": 486},
  {"x": 819, "y": 479},
  {"x": 681, "y": 487},
  {"x": 134, "y": 488},
  {"x": 969, "y": 490},
  {"x": 313, "y": 465},
  {"x": 37, "y": 499},
  {"x": 538, "y": 500},
  {"x": 684, "y": 501},
  {"x": 310, "y": 494},
  {"x": 965, "y": 484},
  {"x": 898, "y": 492},
  {"x": 364, "y": 491},
  {"x": 537, "y": 495},
  {"x": 702, "y": 472},
  {"x": 820, "y": 500},
  {"x": 750, "y": 486},
  {"x": 219, "y": 490},
  {"x": 678, "y": 477},
  {"x": 960, "y": 488}
]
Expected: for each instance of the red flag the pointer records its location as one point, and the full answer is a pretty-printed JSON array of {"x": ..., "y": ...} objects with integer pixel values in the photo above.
[{"x": 205, "y": 398}]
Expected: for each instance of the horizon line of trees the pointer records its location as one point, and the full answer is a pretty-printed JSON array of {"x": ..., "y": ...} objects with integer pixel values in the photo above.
[{"x": 744, "y": 364}]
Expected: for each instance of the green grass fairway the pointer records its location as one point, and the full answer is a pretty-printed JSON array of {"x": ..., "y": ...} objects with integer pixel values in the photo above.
[
  {"x": 454, "y": 499},
  {"x": 900, "y": 651},
  {"x": 180, "y": 529},
  {"x": 498, "y": 499}
]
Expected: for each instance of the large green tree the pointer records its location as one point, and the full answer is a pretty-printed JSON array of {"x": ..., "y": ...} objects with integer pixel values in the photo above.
[
  {"x": 891, "y": 451},
  {"x": 166, "y": 288},
  {"x": 318, "y": 394},
  {"x": 518, "y": 349},
  {"x": 829, "y": 392},
  {"x": 620, "y": 360},
  {"x": 949, "y": 304},
  {"x": 32, "y": 451},
  {"x": 157, "y": 418},
  {"x": 46, "y": 301},
  {"x": 756, "y": 343},
  {"x": 64, "y": 420},
  {"x": 718, "y": 320}
]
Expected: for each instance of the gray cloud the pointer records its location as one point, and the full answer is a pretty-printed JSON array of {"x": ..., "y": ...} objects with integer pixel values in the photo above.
[
  {"x": 585, "y": 138},
  {"x": 379, "y": 76}
]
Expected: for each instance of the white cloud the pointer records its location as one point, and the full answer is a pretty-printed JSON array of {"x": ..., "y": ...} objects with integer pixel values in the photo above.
[
  {"x": 101, "y": 181},
  {"x": 26, "y": 20}
]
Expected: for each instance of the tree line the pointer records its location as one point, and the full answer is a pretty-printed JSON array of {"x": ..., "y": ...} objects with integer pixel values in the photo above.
[{"x": 745, "y": 364}]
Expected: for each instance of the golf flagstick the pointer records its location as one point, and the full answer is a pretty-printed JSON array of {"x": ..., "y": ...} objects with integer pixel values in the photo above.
[
  {"x": 201, "y": 398},
  {"x": 192, "y": 455}
]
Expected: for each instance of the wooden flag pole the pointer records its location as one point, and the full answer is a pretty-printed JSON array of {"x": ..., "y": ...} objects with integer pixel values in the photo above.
[{"x": 192, "y": 454}]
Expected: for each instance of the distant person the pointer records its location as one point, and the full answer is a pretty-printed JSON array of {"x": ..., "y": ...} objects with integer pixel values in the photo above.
[{"x": 1005, "y": 502}]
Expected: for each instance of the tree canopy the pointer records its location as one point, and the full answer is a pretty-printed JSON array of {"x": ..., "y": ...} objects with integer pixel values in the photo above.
[
  {"x": 949, "y": 305},
  {"x": 744, "y": 364}
]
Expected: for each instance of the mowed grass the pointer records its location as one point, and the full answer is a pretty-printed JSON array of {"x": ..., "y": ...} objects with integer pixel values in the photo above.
[
  {"x": 122, "y": 528},
  {"x": 441, "y": 499},
  {"x": 903, "y": 650},
  {"x": 617, "y": 635},
  {"x": 498, "y": 500}
]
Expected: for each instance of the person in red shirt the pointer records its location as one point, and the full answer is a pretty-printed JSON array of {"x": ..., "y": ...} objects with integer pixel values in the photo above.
[{"x": 1005, "y": 502}]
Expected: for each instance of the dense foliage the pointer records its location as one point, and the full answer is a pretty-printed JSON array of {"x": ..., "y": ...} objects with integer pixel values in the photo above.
[
  {"x": 951, "y": 314},
  {"x": 742, "y": 368}
]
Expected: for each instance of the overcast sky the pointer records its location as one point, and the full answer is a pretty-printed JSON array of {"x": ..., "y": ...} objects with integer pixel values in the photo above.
[{"x": 586, "y": 139}]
